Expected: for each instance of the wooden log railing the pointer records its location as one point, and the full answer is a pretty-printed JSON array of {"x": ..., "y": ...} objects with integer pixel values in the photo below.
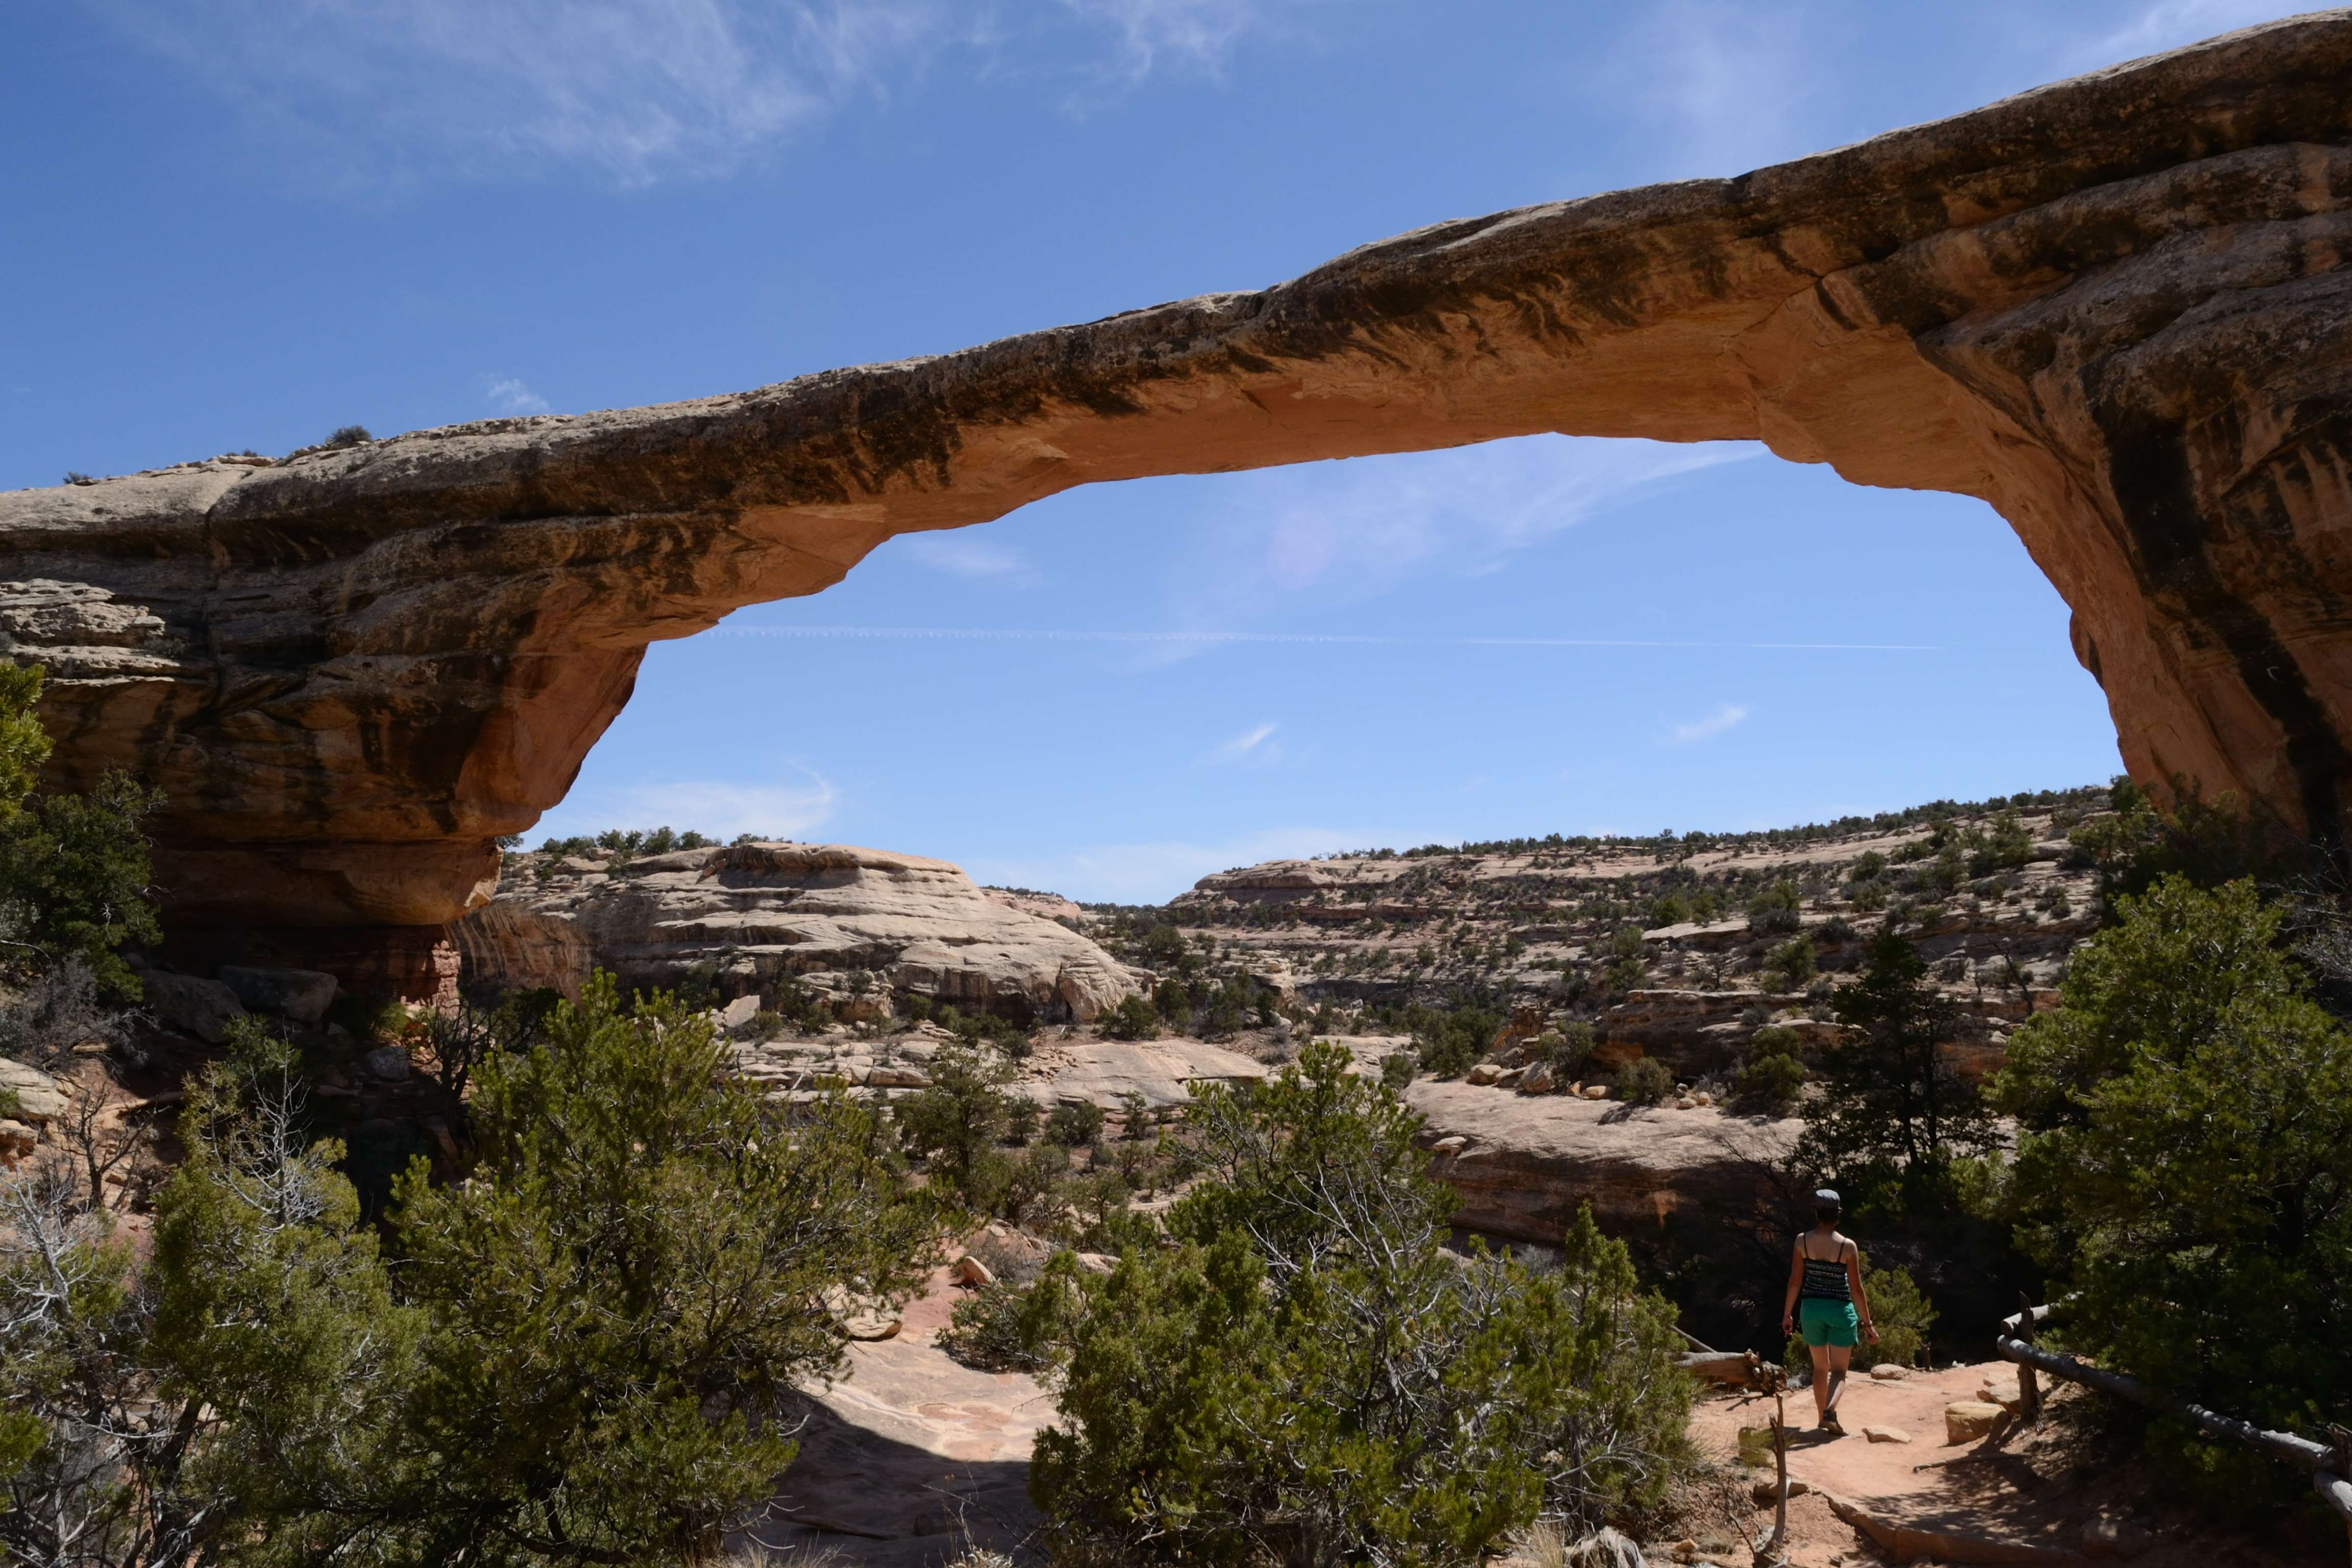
[{"x": 2329, "y": 1462}]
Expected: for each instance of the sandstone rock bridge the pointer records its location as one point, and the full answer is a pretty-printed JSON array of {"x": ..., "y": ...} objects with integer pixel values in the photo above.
[{"x": 2114, "y": 308}]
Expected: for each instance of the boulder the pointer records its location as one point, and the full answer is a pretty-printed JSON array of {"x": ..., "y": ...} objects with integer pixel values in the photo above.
[
  {"x": 2011, "y": 1398},
  {"x": 388, "y": 1064},
  {"x": 1484, "y": 1073},
  {"x": 1886, "y": 1434},
  {"x": 40, "y": 1099},
  {"x": 192, "y": 1005},
  {"x": 971, "y": 1270},
  {"x": 17, "y": 1142},
  {"x": 1970, "y": 1419},
  {"x": 739, "y": 1014},
  {"x": 302, "y": 994},
  {"x": 2115, "y": 1538},
  {"x": 1889, "y": 1372},
  {"x": 1539, "y": 1079}
]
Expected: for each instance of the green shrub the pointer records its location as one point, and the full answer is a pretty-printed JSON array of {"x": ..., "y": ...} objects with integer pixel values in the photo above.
[
  {"x": 1774, "y": 911},
  {"x": 1892, "y": 1109},
  {"x": 1134, "y": 1018},
  {"x": 1900, "y": 1312},
  {"x": 1771, "y": 1084},
  {"x": 1424, "y": 1407},
  {"x": 2184, "y": 1154},
  {"x": 1567, "y": 1051},
  {"x": 1397, "y": 1071},
  {"x": 1790, "y": 965},
  {"x": 1075, "y": 1124},
  {"x": 1449, "y": 1041},
  {"x": 1644, "y": 1080},
  {"x": 572, "y": 1364},
  {"x": 954, "y": 1125},
  {"x": 2003, "y": 847},
  {"x": 984, "y": 1331}
]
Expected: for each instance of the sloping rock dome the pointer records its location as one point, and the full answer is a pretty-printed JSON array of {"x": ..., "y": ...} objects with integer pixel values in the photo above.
[{"x": 756, "y": 913}]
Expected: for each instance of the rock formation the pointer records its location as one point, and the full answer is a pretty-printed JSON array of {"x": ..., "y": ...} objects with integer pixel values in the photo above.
[
  {"x": 754, "y": 914},
  {"x": 2113, "y": 309},
  {"x": 1523, "y": 1164}
]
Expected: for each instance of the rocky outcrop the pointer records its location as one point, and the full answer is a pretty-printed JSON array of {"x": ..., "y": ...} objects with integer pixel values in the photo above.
[
  {"x": 2113, "y": 309},
  {"x": 1523, "y": 1164},
  {"x": 755, "y": 914},
  {"x": 1696, "y": 1031},
  {"x": 507, "y": 943}
]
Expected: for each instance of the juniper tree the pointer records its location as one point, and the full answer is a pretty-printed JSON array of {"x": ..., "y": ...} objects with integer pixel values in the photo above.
[{"x": 1306, "y": 1375}]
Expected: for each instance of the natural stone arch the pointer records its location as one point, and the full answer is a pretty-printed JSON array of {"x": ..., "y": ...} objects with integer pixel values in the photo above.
[{"x": 2113, "y": 309}]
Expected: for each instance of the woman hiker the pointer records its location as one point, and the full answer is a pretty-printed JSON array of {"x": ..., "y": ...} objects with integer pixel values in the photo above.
[{"x": 1824, "y": 1293}]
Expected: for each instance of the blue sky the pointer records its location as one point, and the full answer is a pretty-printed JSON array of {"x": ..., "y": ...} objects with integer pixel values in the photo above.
[{"x": 242, "y": 223}]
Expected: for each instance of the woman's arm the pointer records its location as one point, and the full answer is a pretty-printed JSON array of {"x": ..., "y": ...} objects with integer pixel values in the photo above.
[
  {"x": 1796, "y": 1280},
  {"x": 1860, "y": 1298}
]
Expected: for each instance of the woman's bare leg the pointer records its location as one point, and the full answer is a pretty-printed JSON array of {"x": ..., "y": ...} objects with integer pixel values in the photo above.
[
  {"x": 1837, "y": 1357},
  {"x": 1822, "y": 1355}
]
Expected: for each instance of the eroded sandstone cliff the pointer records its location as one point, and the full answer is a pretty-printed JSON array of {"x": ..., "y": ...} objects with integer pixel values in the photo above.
[
  {"x": 2114, "y": 308},
  {"x": 855, "y": 923}
]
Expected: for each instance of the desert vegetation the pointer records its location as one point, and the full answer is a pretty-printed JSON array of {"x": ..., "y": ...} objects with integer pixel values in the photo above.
[{"x": 568, "y": 1327}]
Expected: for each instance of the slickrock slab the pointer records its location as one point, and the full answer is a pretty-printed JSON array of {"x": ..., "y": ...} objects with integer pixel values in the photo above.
[
  {"x": 912, "y": 1452},
  {"x": 1104, "y": 1071}
]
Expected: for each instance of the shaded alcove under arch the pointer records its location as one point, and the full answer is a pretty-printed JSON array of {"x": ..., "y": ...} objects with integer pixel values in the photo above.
[{"x": 2114, "y": 308}]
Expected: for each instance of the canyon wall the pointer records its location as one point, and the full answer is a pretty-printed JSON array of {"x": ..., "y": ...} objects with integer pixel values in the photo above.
[{"x": 2113, "y": 309}]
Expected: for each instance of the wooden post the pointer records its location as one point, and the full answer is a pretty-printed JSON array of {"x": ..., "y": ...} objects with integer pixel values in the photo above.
[
  {"x": 2340, "y": 1440},
  {"x": 1773, "y": 1552},
  {"x": 2029, "y": 1387}
]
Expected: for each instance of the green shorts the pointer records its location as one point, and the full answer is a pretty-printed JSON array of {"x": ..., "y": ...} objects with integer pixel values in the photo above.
[{"x": 1828, "y": 1323}]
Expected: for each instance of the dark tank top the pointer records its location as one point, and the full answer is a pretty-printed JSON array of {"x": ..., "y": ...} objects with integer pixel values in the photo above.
[{"x": 1824, "y": 1281}]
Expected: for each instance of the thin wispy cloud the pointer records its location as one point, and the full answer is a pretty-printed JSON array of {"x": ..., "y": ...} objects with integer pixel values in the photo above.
[
  {"x": 1340, "y": 534},
  {"x": 2169, "y": 24},
  {"x": 1724, "y": 718},
  {"x": 967, "y": 555},
  {"x": 1250, "y": 744},
  {"x": 636, "y": 91},
  {"x": 1724, "y": 87},
  {"x": 509, "y": 396},
  {"x": 722, "y": 808},
  {"x": 1156, "y": 35}
]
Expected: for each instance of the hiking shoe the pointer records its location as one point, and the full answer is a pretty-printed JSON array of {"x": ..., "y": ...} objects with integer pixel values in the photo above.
[{"x": 1830, "y": 1424}]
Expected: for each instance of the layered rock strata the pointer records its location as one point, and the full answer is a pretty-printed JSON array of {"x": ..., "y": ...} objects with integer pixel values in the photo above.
[
  {"x": 2113, "y": 309},
  {"x": 1522, "y": 1165},
  {"x": 749, "y": 916}
]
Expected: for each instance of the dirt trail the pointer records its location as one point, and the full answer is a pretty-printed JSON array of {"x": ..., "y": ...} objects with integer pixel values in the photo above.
[{"x": 1871, "y": 1499}]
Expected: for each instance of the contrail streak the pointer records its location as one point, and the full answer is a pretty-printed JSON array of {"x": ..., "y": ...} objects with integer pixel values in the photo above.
[{"x": 998, "y": 634}]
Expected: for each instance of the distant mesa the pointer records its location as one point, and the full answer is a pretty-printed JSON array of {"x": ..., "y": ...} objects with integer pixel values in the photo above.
[{"x": 2114, "y": 308}]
